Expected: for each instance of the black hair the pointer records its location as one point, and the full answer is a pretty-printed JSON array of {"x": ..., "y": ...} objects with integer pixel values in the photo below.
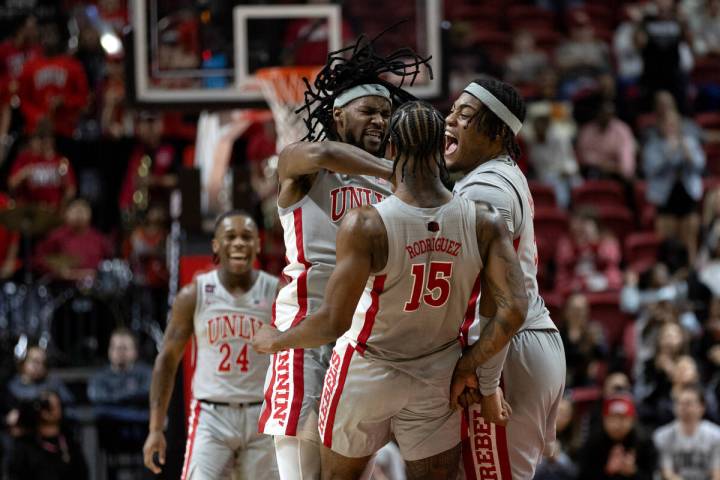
[
  {"x": 490, "y": 124},
  {"x": 417, "y": 130},
  {"x": 231, "y": 213},
  {"x": 363, "y": 66}
]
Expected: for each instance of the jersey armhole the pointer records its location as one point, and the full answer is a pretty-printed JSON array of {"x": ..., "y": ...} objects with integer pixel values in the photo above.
[
  {"x": 285, "y": 210},
  {"x": 199, "y": 295}
]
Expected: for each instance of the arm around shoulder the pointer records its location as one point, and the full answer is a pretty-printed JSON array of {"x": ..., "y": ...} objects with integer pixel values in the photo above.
[{"x": 306, "y": 158}]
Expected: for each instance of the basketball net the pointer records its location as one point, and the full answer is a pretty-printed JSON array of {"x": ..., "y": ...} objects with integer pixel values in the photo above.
[{"x": 283, "y": 89}]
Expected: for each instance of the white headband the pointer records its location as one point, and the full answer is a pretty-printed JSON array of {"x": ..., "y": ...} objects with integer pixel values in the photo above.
[
  {"x": 495, "y": 105},
  {"x": 364, "y": 90}
]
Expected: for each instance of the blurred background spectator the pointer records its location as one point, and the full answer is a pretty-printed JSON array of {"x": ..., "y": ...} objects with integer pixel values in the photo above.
[
  {"x": 688, "y": 447},
  {"x": 41, "y": 448},
  {"x": 33, "y": 378},
  {"x": 620, "y": 449}
]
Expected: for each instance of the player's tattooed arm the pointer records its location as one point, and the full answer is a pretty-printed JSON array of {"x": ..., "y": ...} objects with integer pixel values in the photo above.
[
  {"x": 177, "y": 334},
  {"x": 503, "y": 281},
  {"x": 503, "y": 278},
  {"x": 361, "y": 250}
]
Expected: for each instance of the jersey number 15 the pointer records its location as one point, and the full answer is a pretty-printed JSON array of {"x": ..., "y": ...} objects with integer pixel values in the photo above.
[{"x": 434, "y": 289}]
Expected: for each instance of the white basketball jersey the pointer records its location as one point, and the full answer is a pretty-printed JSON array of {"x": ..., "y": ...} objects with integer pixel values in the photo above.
[
  {"x": 310, "y": 227},
  {"x": 227, "y": 369},
  {"x": 501, "y": 183},
  {"x": 411, "y": 311}
]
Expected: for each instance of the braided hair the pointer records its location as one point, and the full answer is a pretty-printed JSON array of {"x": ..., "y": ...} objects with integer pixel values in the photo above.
[
  {"x": 363, "y": 66},
  {"x": 418, "y": 130},
  {"x": 490, "y": 124}
]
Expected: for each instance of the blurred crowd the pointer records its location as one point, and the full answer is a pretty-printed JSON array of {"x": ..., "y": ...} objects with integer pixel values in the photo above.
[{"x": 621, "y": 145}]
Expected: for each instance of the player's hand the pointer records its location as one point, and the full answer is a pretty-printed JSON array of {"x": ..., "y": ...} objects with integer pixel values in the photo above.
[
  {"x": 469, "y": 397},
  {"x": 264, "y": 339},
  {"x": 464, "y": 377},
  {"x": 495, "y": 409},
  {"x": 155, "y": 443}
]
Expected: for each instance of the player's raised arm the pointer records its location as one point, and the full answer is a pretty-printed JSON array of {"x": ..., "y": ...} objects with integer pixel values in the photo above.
[
  {"x": 361, "y": 240},
  {"x": 503, "y": 280},
  {"x": 306, "y": 158},
  {"x": 177, "y": 334}
]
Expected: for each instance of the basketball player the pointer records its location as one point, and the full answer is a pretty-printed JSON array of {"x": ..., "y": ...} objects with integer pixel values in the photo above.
[
  {"x": 406, "y": 268},
  {"x": 223, "y": 309},
  {"x": 319, "y": 183},
  {"x": 480, "y": 143}
]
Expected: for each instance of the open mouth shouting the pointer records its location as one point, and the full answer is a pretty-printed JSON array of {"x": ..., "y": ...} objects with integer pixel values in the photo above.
[{"x": 451, "y": 143}]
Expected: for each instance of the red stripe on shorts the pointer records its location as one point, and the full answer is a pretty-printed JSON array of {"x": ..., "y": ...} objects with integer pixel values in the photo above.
[
  {"x": 267, "y": 406},
  {"x": 371, "y": 313},
  {"x": 327, "y": 438},
  {"x": 467, "y": 448},
  {"x": 470, "y": 312},
  {"x": 298, "y": 391},
  {"x": 502, "y": 451},
  {"x": 194, "y": 418}
]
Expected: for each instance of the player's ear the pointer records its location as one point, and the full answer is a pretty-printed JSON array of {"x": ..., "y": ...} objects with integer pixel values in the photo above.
[
  {"x": 339, "y": 118},
  {"x": 215, "y": 246}
]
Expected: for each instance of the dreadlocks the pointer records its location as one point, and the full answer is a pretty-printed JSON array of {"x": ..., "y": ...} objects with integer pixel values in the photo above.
[
  {"x": 490, "y": 124},
  {"x": 418, "y": 130},
  {"x": 363, "y": 66}
]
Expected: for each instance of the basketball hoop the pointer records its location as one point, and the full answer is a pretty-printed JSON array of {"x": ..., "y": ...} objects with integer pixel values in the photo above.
[{"x": 283, "y": 89}]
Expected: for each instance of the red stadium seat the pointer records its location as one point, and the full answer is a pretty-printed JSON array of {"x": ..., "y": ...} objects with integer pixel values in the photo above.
[
  {"x": 645, "y": 211},
  {"x": 543, "y": 195},
  {"x": 550, "y": 225},
  {"x": 705, "y": 71},
  {"x": 618, "y": 219},
  {"x": 529, "y": 16},
  {"x": 641, "y": 250},
  {"x": 605, "y": 309},
  {"x": 708, "y": 119},
  {"x": 546, "y": 38},
  {"x": 712, "y": 158},
  {"x": 593, "y": 193}
]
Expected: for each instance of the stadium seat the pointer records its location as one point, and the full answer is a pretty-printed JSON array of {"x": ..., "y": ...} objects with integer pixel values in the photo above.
[
  {"x": 605, "y": 309},
  {"x": 543, "y": 195},
  {"x": 529, "y": 16},
  {"x": 712, "y": 158},
  {"x": 705, "y": 71},
  {"x": 709, "y": 120},
  {"x": 641, "y": 250},
  {"x": 550, "y": 225},
  {"x": 618, "y": 219},
  {"x": 593, "y": 193},
  {"x": 644, "y": 210},
  {"x": 546, "y": 37}
]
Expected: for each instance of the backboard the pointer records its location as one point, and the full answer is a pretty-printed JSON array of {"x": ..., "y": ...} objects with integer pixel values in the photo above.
[{"x": 205, "y": 52}]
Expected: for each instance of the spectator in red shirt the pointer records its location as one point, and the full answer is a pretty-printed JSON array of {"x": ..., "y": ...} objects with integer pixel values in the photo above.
[
  {"x": 39, "y": 175},
  {"x": 150, "y": 173},
  {"x": 53, "y": 86},
  {"x": 9, "y": 244},
  {"x": 73, "y": 251},
  {"x": 587, "y": 260},
  {"x": 14, "y": 52}
]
